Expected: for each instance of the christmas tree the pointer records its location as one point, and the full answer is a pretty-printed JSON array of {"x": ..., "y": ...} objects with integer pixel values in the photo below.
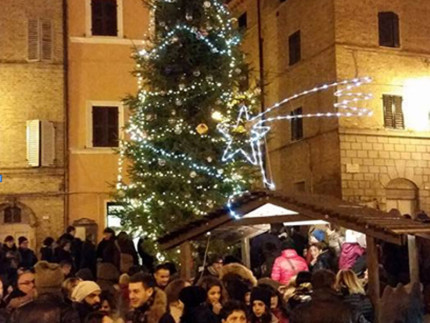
[{"x": 186, "y": 137}]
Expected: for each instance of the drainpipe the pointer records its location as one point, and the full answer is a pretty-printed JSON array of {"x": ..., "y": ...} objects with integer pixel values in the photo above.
[
  {"x": 66, "y": 112},
  {"x": 260, "y": 53}
]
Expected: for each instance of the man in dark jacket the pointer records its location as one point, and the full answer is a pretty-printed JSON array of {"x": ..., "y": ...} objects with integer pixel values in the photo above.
[
  {"x": 28, "y": 258},
  {"x": 49, "y": 306},
  {"x": 326, "y": 305},
  {"x": 148, "y": 302},
  {"x": 86, "y": 298},
  {"x": 106, "y": 249}
]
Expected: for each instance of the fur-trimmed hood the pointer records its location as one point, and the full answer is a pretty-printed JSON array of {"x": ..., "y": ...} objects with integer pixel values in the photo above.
[
  {"x": 150, "y": 313},
  {"x": 240, "y": 270},
  {"x": 158, "y": 306},
  {"x": 237, "y": 280}
]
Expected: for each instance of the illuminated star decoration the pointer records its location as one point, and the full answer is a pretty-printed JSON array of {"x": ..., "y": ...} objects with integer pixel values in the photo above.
[
  {"x": 344, "y": 108},
  {"x": 254, "y": 135}
]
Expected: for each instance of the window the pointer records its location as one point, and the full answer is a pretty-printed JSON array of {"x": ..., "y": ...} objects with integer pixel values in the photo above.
[
  {"x": 393, "y": 112},
  {"x": 388, "y": 29},
  {"x": 294, "y": 48},
  {"x": 39, "y": 40},
  {"x": 243, "y": 21},
  {"x": 104, "y": 18},
  {"x": 12, "y": 214},
  {"x": 296, "y": 124},
  {"x": 105, "y": 126}
]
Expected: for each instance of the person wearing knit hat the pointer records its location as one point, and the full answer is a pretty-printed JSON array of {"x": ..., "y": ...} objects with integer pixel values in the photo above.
[
  {"x": 86, "y": 298},
  {"x": 260, "y": 304},
  {"x": 49, "y": 305}
]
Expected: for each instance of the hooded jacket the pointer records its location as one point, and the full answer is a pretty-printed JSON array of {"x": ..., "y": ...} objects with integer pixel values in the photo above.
[
  {"x": 237, "y": 280},
  {"x": 349, "y": 254},
  {"x": 288, "y": 265},
  {"x": 47, "y": 308}
]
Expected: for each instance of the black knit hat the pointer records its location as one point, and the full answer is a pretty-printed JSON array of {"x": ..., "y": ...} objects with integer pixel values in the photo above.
[
  {"x": 192, "y": 296},
  {"x": 261, "y": 294}
]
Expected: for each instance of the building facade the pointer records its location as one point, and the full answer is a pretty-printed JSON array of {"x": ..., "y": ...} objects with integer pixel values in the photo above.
[
  {"x": 102, "y": 36},
  {"x": 32, "y": 126},
  {"x": 382, "y": 160}
]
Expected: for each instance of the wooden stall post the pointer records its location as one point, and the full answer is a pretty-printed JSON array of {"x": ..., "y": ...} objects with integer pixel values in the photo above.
[
  {"x": 373, "y": 272},
  {"x": 413, "y": 259},
  {"x": 186, "y": 260},
  {"x": 246, "y": 257}
]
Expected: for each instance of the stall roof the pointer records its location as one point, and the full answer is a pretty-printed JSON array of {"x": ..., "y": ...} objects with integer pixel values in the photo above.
[{"x": 265, "y": 207}]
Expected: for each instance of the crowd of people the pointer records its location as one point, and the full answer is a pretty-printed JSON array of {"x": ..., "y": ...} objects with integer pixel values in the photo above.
[{"x": 297, "y": 279}]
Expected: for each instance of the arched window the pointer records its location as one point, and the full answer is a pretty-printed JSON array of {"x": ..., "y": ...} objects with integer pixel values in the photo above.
[
  {"x": 12, "y": 214},
  {"x": 402, "y": 195}
]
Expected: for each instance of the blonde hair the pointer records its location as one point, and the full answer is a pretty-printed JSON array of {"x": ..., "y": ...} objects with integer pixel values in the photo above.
[
  {"x": 69, "y": 285},
  {"x": 124, "y": 279},
  {"x": 348, "y": 279}
]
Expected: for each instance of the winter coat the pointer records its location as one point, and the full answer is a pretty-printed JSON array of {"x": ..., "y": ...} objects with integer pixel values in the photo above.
[
  {"x": 360, "y": 304},
  {"x": 83, "y": 309},
  {"x": 288, "y": 265},
  {"x": 259, "y": 248},
  {"x": 62, "y": 255},
  {"x": 47, "y": 254},
  {"x": 349, "y": 254},
  {"x": 325, "y": 260},
  {"x": 280, "y": 316},
  {"x": 12, "y": 257},
  {"x": 147, "y": 259},
  {"x": 200, "y": 313},
  {"x": 88, "y": 256},
  {"x": 154, "y": 311},
  {"x": 108, "y": 252},
  {"x": 47, "y": 308},
  {"x": 302, "y": 294},
  {"x": 107, "y": 276},
  {"x": 28, "y": 258},
  {"x": 127, "y": 246},
  {"x": 273, "y": 319},
  {"x": 325, "y": 306},
  {"x": 237, "y": 280}
]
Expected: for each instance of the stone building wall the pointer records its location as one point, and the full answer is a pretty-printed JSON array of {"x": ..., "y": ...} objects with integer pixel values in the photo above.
[{"x": 31, "y": 90}]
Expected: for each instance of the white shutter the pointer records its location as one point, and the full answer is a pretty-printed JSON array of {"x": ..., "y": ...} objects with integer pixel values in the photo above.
[
  {"x": 47, "y": 36},
  {"x": 33, "y": 143},
  {"x": 33, "y": 40},
  {"x": 47, "y": 143}
]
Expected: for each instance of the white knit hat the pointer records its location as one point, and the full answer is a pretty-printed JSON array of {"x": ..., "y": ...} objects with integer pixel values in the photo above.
[{"x": 83, "y": 289}]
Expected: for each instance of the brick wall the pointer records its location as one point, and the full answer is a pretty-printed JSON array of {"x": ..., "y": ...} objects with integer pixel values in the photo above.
[
  {"x": 381, "y": 159},
  {"x": 31, "y": 90}
]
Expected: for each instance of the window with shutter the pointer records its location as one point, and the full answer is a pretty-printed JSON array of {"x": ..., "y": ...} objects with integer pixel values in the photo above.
[
  {"x": 12, "y": 214},
  {"x": 105, "y": 126},
  {"x": 47, "y": 36},
  {"x": 393, "y": 111},
  {"x": 294, "y": 48},
  {"x": 296, "y": 125},
  {"x": 388, "y": 23},
  {"x": 104, "y": 17},
  {"x": 33, "y": 40}
]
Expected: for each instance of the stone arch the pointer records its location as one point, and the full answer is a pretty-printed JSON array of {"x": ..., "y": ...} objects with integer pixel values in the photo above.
[
  {"x": 402, "y": 194},
  {"x": 26, "y": 226},
  {"x": 27, "y": 214}
]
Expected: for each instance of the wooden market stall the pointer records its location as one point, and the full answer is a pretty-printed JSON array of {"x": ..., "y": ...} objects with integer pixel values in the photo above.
[{"x": 259, "y": 209}]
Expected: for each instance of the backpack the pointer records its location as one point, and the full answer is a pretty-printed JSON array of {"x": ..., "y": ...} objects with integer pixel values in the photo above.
[{"x": 126, "y": 260}]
